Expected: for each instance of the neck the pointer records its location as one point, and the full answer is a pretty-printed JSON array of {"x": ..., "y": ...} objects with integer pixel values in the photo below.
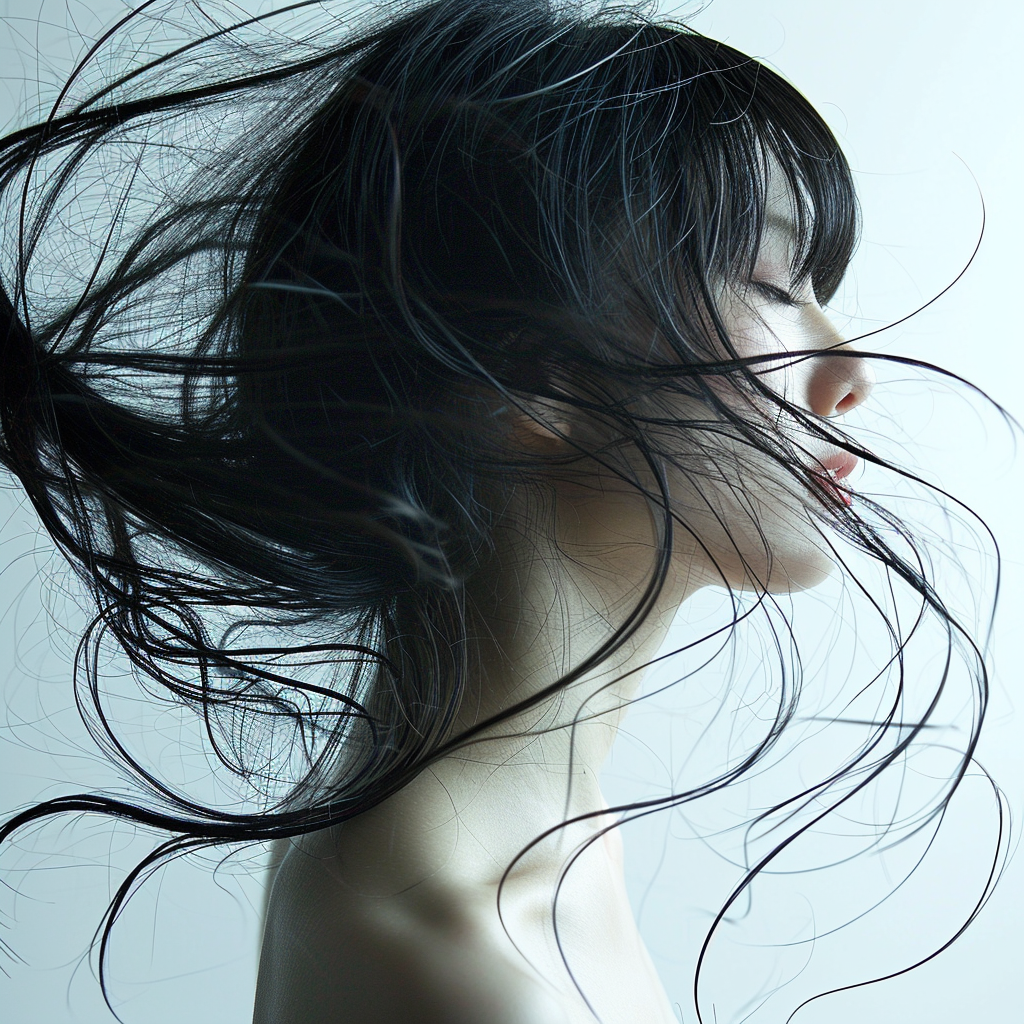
[
  {"x": 473, "y": 813},
  {"x": 534, "y": 618}
]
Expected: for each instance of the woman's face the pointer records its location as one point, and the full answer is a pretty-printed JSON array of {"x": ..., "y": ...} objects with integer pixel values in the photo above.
[
  {"x": 742, "y": 519},
  {"x": 752, "y": 521}
]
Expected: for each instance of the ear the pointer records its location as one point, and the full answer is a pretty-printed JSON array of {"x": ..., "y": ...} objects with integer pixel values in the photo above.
[{"x": 541, "y": 427}]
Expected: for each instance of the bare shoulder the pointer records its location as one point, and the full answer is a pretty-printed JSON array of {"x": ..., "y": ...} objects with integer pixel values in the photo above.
[{"x": 332, "y": 958}]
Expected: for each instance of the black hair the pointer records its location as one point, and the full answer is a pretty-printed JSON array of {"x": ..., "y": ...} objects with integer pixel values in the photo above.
[{"x": 274, "y": 387}]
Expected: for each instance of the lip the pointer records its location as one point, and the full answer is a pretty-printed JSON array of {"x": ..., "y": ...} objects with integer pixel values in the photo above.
[{"x": 833, "y": 469}]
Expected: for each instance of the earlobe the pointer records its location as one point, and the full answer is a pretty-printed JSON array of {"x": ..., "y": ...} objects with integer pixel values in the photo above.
[{"x": 543, "y": 428}]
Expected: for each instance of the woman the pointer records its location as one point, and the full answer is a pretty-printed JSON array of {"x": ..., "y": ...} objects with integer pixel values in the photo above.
[{"x": 454, "y": 356}]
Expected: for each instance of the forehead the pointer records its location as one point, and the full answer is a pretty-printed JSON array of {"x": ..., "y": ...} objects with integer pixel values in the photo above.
[
  {"x": 780, "y": 221},
  {"x": 781, "y": 208}
]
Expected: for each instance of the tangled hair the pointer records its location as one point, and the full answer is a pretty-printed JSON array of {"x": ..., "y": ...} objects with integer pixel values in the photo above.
[{"x": 272, "y": 388}]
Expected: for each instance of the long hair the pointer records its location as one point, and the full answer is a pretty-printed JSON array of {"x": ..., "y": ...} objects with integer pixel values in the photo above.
[{"x": 271, "y": 389}]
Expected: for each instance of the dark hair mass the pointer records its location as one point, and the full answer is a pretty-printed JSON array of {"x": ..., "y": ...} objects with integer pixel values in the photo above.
[{"x": 279, "y": 392}]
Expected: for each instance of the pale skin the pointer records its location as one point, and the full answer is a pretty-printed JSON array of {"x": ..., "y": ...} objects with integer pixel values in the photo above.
[{"x": 394, "y": 917}]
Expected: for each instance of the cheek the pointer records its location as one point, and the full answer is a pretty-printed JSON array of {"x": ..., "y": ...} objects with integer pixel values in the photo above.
[
  {"x": 754, "y": 533},
  {"x": 745, "y": 519},
  {"x": 769, "y": 339},
  {"x": 752, "y": 515}
]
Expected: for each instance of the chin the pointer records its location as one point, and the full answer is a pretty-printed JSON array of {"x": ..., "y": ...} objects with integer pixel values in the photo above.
[
  {"x": 802, "y": 567},
  {"x": 773, "y": 545},
  {"x": 802, "y": 576},
  {"x": 797, "y": 567}
]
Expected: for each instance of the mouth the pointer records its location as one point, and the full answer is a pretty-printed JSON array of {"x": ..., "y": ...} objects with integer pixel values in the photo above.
[{"x": 831, "y": 471}]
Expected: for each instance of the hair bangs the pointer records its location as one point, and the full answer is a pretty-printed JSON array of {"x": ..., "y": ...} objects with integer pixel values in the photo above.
[
  {"x": 739, "y": 126},
  {"x": 803, "y": 149}
]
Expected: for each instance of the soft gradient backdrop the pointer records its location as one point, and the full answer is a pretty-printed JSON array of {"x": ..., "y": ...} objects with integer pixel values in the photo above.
[{"x": 926, "y": 99}]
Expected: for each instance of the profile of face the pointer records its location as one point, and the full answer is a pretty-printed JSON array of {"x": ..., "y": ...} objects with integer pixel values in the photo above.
[
  {"x": 753, "y": 522},
  {"x": 743, "y": 519}
]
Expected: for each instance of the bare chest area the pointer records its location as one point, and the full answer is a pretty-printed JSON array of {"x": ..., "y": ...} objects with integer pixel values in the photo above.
[{"x": 411, "y": 893}]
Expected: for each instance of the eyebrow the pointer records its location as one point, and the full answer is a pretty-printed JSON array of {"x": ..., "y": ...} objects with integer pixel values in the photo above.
[{"x": 785, "y": 224}]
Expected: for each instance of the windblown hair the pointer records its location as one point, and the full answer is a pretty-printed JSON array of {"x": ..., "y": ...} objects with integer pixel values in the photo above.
[{"x": 276, "y": 385}]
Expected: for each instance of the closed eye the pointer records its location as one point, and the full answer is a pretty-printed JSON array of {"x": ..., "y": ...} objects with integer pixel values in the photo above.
[{"x": 776, "y": 294}]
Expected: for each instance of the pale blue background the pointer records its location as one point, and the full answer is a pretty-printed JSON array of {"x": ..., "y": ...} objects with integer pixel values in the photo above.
[{"x": 926, "y": 100}]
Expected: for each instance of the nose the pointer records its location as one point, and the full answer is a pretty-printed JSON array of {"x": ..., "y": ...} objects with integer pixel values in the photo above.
[{"x": 839, "y": 379}]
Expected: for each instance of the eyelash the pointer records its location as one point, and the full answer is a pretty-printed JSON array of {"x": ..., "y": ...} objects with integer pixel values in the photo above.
[{"x": 773, "y": 291}]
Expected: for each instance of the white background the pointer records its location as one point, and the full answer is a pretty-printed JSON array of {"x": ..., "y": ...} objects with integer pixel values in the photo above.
[{"x": 925, "y": 98}]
